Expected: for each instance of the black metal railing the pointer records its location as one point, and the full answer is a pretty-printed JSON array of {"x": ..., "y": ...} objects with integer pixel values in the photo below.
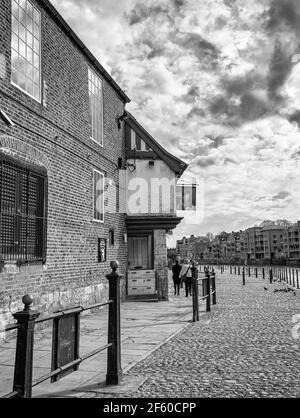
[
  {"x": 208, "y": 291},
  {"x": 288, "y": 275},
  {"x": 25, "y": 326}
]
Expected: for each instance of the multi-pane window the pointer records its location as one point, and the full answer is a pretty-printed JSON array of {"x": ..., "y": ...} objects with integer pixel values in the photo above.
[
  {"x": 98, "y": 196},
  {"x": 96, "y": 107},
  {"x": 111, "y": 237},
  {"x": 25, "y": 48},
  {"x": 22, "y": 211}
]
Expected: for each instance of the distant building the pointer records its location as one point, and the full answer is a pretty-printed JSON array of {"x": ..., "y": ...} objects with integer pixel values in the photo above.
[{"x": 256, "y": 245}]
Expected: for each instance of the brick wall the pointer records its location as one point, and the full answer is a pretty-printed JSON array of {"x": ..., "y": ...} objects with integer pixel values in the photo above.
[
  {"x": 56, "y": 135},
  {"x": 161, "y": 263}
]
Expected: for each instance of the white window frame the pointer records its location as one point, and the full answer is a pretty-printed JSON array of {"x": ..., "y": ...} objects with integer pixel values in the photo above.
[
  {"x": 92, "y": 78},
  {"x": 39, "y": 100},
  {"x": 95, "y": 197}
]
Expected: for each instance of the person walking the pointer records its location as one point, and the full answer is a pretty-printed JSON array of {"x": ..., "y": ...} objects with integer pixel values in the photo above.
[
  {"x": 186, "y": 277},
  {"x": 176, "y": 269}
]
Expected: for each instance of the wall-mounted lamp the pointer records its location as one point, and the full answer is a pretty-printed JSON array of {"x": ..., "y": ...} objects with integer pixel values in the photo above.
[
  {"x": 131, "y": 167},
  {"x": 6, "y": 119},
  {"x": 121, "y": 118}
]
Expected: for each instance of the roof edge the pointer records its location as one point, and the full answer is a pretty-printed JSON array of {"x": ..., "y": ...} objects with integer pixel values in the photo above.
[
  {"x": 173, "y": 162},
  {"x": 64, "y": 25}
]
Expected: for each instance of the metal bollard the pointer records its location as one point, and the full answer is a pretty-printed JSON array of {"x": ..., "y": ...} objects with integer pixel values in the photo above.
[
  {"x": 207, "y": 292},
  {"x": 24, "y": 350},
  {"x": 114, "y": 371},
  {"x": 271, "y": 276},
  {"x": 263, "y": 273},
  {"x": 244, "y": 281},
  {"x": 213, "y": 288},
  {"x": 195, "y": 292}
]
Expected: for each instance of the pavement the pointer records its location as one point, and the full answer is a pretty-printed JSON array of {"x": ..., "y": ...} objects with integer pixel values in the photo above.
[
  {"x": 145, "y": 326},
  {"x": 248, "y": 345}
]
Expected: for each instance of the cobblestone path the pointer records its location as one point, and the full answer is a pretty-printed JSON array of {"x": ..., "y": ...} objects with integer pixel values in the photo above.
[{"x": 247, "y": 346}]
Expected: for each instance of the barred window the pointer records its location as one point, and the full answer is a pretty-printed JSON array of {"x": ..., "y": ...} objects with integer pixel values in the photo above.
[
  {"x": 96, "y": 107},
  {"x": 98, "y": 196},
  {"x": 25, "y": 48},
  {"x": 23, "y": 220}
]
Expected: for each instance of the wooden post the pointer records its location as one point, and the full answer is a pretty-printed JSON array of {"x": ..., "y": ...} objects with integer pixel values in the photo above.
[
  {"x": 230, "y": 269},
  {"x": 24, "y": 350},
  {"x": 114, "y": 371},
  {"x": 263, "y": 273},
  {"x": 244, "y": 281},
  {"x": 249, "y": 271}
]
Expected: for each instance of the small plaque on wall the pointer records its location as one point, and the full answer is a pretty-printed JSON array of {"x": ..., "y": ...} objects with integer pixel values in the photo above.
[{"x": 101, "y": 250}]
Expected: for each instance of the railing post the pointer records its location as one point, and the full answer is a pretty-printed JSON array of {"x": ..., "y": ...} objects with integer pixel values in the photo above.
[
  {"x": 195, "y": 298},
  {"x": 243, "y": 272},
  {"x": 294, "y": 284},
  {"x": 213, "y": 288},
  {"x": 208, "y": 293},
  {"x": 114, "y": 371},
  {"x": 24, "y": 349},
  {"x": 271, "y": 275}
]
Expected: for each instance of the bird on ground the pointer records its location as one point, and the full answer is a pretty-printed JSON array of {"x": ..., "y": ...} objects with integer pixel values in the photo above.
[{"x": 266, "y": 288}]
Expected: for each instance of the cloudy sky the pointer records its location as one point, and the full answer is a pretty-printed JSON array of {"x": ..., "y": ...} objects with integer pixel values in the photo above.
[{"x": 217, "y": 83}]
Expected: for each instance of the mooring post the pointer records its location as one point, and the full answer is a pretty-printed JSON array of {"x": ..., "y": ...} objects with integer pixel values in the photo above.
[
  {"x": 114, "y": 371},
  {"x": 24, "y": 349},
  {"x": 271, "y": 275}
]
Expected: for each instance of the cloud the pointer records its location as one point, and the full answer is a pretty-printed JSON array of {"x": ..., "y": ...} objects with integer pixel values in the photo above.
[
  {"x": 142, "y": 12},
  {"x": 204, "y": 162},
  {"x": 281, "y": 195},
  {"x": 206, "y": 52}
]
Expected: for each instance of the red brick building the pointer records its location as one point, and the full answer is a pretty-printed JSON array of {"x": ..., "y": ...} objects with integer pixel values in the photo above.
[{"x": 59, "y": 140}]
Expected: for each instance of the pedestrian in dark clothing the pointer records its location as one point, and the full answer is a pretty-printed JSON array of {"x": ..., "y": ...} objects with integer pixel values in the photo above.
[
  {"x": 186, "y": 275},
  {"x": 176, "y": 279}
]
